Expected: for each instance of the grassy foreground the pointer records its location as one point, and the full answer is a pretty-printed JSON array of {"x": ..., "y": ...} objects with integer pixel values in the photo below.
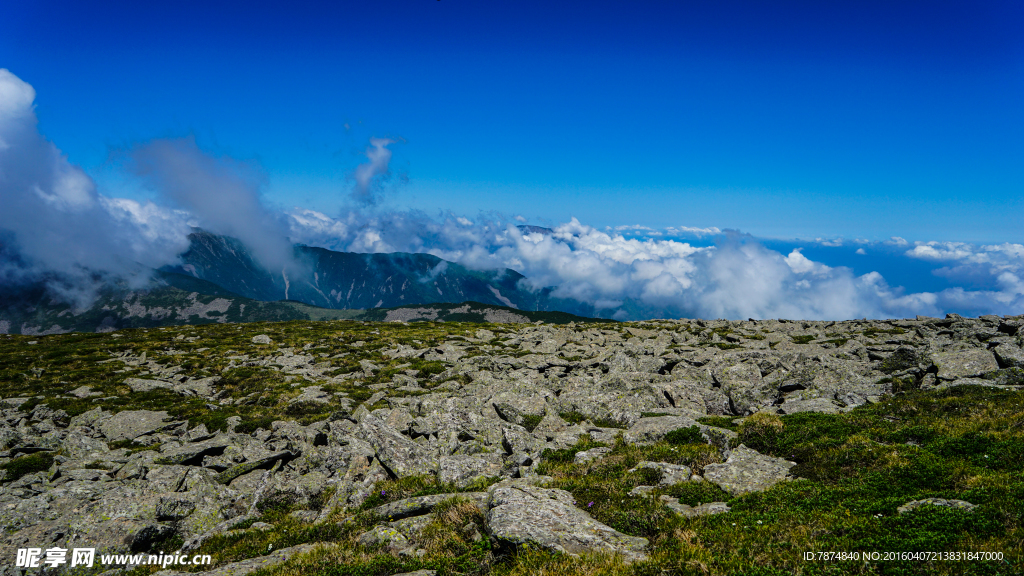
[{"x": 856, "y": 468}]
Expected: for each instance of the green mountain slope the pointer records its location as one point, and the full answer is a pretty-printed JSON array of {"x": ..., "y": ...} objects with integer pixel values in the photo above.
[
  {"x": 176, "y": 299},
  {"x": 345, "y": 280}
]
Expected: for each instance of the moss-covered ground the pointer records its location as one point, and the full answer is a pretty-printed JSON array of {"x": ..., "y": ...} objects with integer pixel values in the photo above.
[{"x": 855, "y": 469}]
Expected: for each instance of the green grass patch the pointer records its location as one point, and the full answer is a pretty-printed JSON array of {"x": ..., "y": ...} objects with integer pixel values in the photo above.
[
  {"x": 689, "y": 435},
  {"x": 28, "y": 464}
]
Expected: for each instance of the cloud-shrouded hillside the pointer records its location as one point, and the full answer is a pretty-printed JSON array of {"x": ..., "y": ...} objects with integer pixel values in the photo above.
[{"x": 57, "y": 228}]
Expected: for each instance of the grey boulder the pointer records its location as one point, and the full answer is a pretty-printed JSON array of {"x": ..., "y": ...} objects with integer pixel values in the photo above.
[
  {"x": 748, "y": 471},
  {"x": 130, "y": 424},
  {"x": 942, "y": 502},
  {"x": 524, "y": 514},
  {"x": 964, "y": 363}
]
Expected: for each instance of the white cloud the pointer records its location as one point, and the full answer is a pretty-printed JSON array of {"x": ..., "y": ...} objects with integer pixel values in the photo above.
[
  {"x": 861, "y": 252},
  {"x": 58, "y": 224},
  {"x": 368, "y": 175},
  {"x": 830, "y": 242},
  {"x": 689, "y": 230},
  {"x": 222, "y": 194},
  {"x": 738, "y": 278}
]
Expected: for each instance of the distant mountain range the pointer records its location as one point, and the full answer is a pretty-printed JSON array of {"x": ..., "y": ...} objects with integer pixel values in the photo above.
[
  {"x": 219, "y": 280},
  {"x": 346, "y": 280}
]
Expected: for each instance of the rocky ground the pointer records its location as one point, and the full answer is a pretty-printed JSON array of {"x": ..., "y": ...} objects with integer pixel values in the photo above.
[{"x": 462, "y": 448}]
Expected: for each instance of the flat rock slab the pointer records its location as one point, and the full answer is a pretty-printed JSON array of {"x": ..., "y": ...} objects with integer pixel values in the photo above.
[
  {"x": 964, "y": 363},
  {"x": 973, "y": 382},
  {"x": 230, "y": 474},
  {"x": 708, "y": 509},
  {"x": 144, "y": 385},
  {"x": 194, "y": 451},
  {"x": 592, "y": 454},
  {"x": 747, "y": 471},
  {"x": 130, "y": 424},
  {"x": 524, "y": 514},
  {"x": 915, "y": 504},
  {"x": 384, "y": 535},
  {"x": 197, "y": 387},
  {"x": 463, "y": 469},
  {"x": 670, "y": 473},
  {"x": 1008, "y": 355},
  {"x": 648, "y": 430},
  {"x": 822, "y": 405},
  {"x": 398, "y": 454},
  {"x": 423, "y": 504},
  {"x": 243, "y": 567}
]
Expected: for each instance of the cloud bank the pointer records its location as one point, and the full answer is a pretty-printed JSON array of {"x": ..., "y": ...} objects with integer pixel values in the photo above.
[
  {"x": 370, "y": 176},
  {"x": 221, "y": 194},
  {"x": 56, "y": 227},
  {"x": 63, "y": 231},
  {"x": 737, "y": 277}
]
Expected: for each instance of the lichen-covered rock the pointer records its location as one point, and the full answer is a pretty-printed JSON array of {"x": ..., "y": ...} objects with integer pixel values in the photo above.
[
  {"x": 463, "y": 469},
  {"x": 520, "y": 513},
  {"x": 130, "y": 424},
  {"x": 383, "y": 535},
  {"x": 174, "y": 507},
  {"x": 652, "y": 429},
  {"x": 424, "y": 504},
  {"x": 592, "y": 454},
  {"x": 747, "y": 471},
  {"x": 964, "y": 363},
  {"x": 400, "y": 455},
  {"x": 1009, "y": 356},
  {"x": 821, "y": 405},
  {"x": 230, "y": 474},
  {"x": 193, "y": 452},
  {"x": 942, "y": 502},
  {"x": 707, "y": 509},
  {"x": 746, "y": 390},
  {"x": 670, "y": 473}
]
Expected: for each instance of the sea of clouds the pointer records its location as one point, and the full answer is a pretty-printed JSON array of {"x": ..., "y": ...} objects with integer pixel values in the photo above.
[{"x": 57, "y": 228}]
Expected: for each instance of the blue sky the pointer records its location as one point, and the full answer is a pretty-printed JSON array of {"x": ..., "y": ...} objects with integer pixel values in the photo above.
[
  {"x": 790, "y": 119},
  {"x": 727, "y": 159}
]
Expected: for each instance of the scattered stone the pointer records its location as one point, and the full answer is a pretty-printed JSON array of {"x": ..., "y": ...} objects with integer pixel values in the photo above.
[
  {"x": 524, "y": 514},
  {"x": 1009, "y": 356},
  {"x": 462, "y": 469},
  {"x": 424, "y": 504},
  {"x": 83, "y": 392},
  {"x": 915, "y": 504},
  {"x": 491, "y": 412},
  {"x": 650, "y": 430},
  {"x": 670, "y": 473},
  {"x": 130, "y": 424},
  {"x": 304, "y": 516},
  {"x": 592, "y": 454},
  {"x": 230, "y": 474},
  {"x": 747, "y": 471},
  {"x": 822, "y": 405},
  {"x": 708, "y": 509},
  {"x": 400, "y": 455},
  {"x": 964, "y": 363},
  {"x": 261, "y": 339},
  {"x": 382, "y": 535}
]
